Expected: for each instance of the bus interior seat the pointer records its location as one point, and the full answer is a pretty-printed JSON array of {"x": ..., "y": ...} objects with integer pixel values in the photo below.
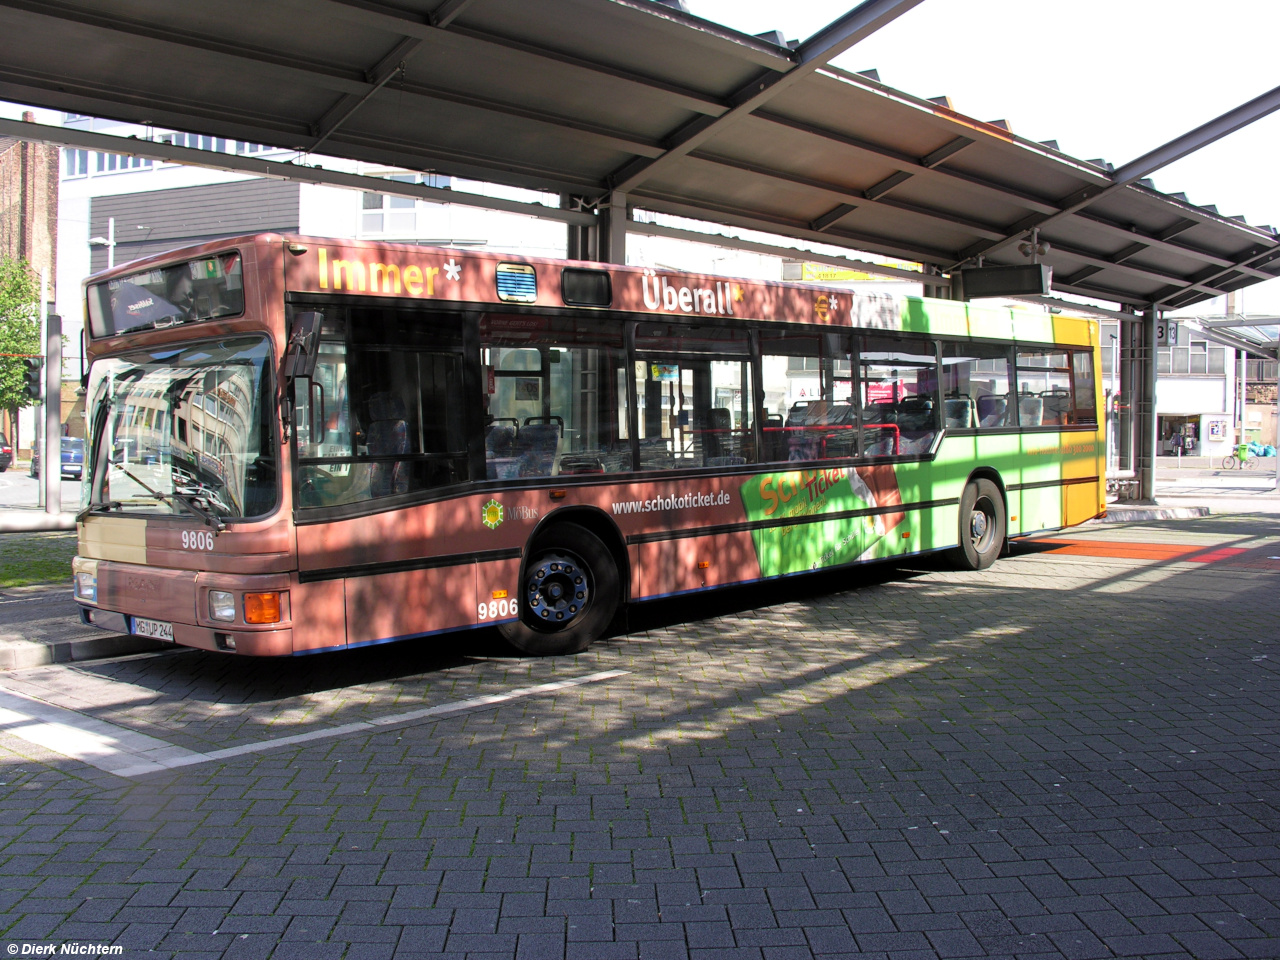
[
  {"x": 387, "y": 434},
  {"x": 499, "y": 440},
  {"x": 727, "y": 461},
  {"x": 992, "y": 410},
  {"x": 536, "y": 449},
  {"x": 960, "y": 412},
  {"x": 880, "y": 442},
  {"x": 775, "y": 439},
  {"x": 717, "y": 438},
  {"x": 883, "y": 411},
  {"x": 840, "y": 413},
  {"x": 499, "y": 450},
  {"x": 655, "y": 454},
  {"x": 1030, "y": 410},
  {"x": 1057, "y": 405},
  {"x": 918, "y": 423}
]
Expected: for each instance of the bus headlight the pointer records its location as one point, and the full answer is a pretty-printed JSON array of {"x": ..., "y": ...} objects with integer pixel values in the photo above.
[
  {"x": 87, "y": 587},
  {"x": 262, "y": 608},
  {"x": 222, "y": 605}
]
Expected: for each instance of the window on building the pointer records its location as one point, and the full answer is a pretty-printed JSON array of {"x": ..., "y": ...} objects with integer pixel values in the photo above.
[
  {"x": 1196, "y": 358},
  {"x": 75, "y": 163},
  {"x": 116, "y": 163},
  {"x": 390, "y": 216}
]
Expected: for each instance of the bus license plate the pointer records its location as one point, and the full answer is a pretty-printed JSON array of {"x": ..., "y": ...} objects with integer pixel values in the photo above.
[{"x": 156, "y": 629}]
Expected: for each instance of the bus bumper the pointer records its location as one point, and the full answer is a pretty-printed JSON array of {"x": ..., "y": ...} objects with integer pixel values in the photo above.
[{"x": 173, "y": 606}]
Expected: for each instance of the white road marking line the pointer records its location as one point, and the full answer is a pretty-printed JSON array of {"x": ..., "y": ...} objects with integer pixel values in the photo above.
[
  {"x": 126, "y": 753},
  {"x": 95, "y": 742}
]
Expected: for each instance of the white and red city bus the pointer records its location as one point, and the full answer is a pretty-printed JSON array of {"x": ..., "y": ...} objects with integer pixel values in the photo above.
[{"x": 300, "y": 444}]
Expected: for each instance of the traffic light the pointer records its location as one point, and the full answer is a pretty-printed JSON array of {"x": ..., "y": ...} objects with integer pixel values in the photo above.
[{"x": 31, "y": 377}]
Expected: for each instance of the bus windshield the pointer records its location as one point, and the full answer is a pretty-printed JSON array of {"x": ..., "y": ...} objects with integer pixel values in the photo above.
[{"x": 184, "y": 424}]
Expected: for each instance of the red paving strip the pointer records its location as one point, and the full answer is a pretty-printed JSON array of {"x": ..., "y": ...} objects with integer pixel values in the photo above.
[{"x": 1130, "y": 550}]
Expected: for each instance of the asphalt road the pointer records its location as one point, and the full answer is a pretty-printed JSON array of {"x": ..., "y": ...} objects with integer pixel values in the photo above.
[{"x": 19, "y": 489}]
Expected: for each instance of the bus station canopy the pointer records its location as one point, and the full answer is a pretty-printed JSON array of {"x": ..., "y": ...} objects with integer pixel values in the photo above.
[{"x": 634, "y": 102}]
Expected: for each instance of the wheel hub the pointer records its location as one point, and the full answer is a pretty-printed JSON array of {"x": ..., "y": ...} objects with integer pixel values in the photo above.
[
  {"x": 978, "y": 525},
  {"x": 557, "y": 590}
]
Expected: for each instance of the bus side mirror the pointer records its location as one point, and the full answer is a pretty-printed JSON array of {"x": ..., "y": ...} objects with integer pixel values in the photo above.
[{"x": 302, "y": 352}]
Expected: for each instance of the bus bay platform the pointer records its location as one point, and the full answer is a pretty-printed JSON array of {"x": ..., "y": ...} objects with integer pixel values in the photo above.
[{"x": 1072, "y": 754}]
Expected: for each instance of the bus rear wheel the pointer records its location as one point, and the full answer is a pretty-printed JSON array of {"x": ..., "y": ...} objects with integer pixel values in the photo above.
[
  {"x": 568, "y": 593},
  {"x": 982, "y": 526}
]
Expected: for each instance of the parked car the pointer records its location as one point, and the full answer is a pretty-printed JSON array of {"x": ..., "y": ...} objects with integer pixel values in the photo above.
[
  {"x": 6, "y": 453},
  {"x": 72, "y": 458}
]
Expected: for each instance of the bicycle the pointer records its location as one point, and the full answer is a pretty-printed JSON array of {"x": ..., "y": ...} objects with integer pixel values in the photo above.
[{"x": 1245, "y": 463}]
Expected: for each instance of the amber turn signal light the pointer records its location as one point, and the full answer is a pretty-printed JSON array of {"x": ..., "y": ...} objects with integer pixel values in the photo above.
[{"x": 262, "y": 608}]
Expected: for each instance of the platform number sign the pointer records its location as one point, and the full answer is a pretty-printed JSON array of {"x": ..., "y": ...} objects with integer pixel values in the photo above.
[{"x": 1166, "y": 333}]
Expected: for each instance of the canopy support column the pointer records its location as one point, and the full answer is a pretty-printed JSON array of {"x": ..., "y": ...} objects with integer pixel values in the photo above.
[
  {"x": 1145, "y": 407},
  {"x": 613, "y": 230}
]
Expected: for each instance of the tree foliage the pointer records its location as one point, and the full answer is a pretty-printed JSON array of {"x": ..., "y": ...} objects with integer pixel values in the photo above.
[{"x": 19, "y": 328}]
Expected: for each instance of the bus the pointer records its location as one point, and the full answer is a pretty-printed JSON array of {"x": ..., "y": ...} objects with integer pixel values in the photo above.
[{"x": 299, "y": 444}]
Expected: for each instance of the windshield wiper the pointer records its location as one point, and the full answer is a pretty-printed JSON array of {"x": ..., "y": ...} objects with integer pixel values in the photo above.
[
  {"x": 103, "y": 505},
  {"x": 175, "y": 497}
]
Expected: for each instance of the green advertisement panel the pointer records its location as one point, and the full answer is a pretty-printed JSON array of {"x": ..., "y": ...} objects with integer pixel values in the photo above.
[{"x": 837, "y": 499}]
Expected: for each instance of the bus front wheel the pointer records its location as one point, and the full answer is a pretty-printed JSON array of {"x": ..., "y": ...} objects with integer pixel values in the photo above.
[
  {"x": 568, "y": 594},
  {"x": 982, "y": 526}
]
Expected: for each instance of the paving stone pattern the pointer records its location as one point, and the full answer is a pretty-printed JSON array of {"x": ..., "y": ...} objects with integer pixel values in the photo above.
[{"x": 1063, "y": 756}]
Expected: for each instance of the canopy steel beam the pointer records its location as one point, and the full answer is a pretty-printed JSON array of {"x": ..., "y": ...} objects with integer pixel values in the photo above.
[
  {"x": 1268, "y": 351},
  {"x": 1248, "y": 264},
  {"x": 791, "y": 253},
  {"x": 1201, "y": 136},
  {"x": 288, "y": 133},
  {"x": 277, "y": 170},
  {"x": 853, "y": 197},
  {"x": 344, "y": 81},
  {"x": 921, "y": 166},
  {"x": 783, "y": 226},
  {"x": 1145, "y": 165},
  {"x": 377, "y": 77},
  {"x": 1239, "y": 321},
  {"x": 810, "y": 56},
  {"x": 356, "y": 87},
  {"x": 1069, "y": 306},
  {"x": 877, "y": 194},
  {"x": 395, "y": 20},
  {"x": 447, "y": 12}
]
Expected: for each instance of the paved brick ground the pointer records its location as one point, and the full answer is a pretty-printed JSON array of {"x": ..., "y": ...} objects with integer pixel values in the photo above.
[{"x": 1064, "y": 756}]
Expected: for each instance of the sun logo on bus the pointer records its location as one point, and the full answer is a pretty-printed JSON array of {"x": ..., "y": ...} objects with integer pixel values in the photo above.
[{"x": 491, "y": 514}]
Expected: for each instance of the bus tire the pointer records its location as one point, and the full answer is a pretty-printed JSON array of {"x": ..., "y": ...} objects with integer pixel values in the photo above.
[
  {"x": 568, "y": 593},
  {"x": 982, "y": 526}
]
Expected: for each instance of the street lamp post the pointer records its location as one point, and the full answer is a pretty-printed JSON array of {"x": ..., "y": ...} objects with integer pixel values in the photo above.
[{"x": 109, "y": 241}]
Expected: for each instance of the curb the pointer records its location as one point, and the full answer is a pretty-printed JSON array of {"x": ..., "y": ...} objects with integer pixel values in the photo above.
[
  {"x": 21, "y": 521},
  {"x": 20, "y": 654},
  {"x": 1126, "y": 514}
]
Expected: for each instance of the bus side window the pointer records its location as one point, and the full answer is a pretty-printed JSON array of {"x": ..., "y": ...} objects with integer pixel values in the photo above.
[
  {"x": 557, "y": 403},
  {"x": 975, "y": 386},
  {"x": 808, "y": 379},
  {"x": 899, "y": 387}
]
